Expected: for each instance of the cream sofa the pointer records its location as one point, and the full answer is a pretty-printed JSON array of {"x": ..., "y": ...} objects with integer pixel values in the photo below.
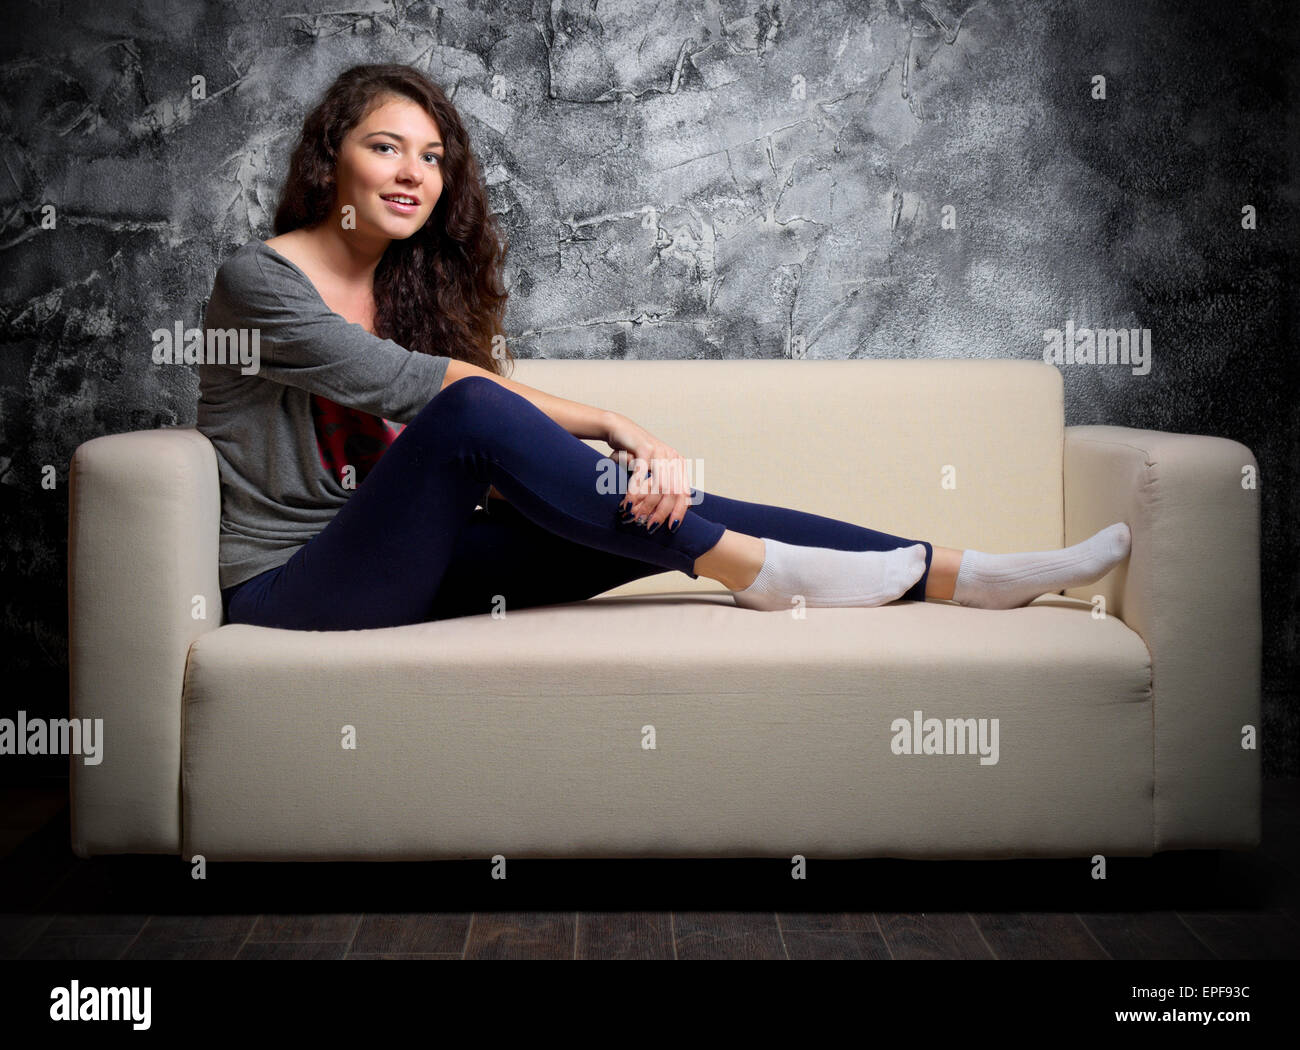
[{"x": 1121, "y": 706}]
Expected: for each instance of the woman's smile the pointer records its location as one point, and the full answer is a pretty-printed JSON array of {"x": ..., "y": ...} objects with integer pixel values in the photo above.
[{"x": 403, "y": 204}]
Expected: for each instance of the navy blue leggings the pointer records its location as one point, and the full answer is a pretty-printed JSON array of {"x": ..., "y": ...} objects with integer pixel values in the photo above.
[{"x": 411, "y": 545}]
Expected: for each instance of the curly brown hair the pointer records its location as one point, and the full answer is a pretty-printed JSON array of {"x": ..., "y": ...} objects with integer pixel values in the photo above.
[{"x": 439, "y": 291}]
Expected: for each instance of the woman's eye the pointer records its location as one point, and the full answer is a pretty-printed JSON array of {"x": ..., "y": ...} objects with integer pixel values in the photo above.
[{"x": 389, "y": 145}]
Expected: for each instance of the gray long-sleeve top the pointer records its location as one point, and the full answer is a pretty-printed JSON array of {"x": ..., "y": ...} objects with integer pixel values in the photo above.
[{"x": 277, "y": 490}]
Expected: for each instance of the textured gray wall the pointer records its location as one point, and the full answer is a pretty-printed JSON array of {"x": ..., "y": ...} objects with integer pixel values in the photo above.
[{"x": 796, "y": 158}]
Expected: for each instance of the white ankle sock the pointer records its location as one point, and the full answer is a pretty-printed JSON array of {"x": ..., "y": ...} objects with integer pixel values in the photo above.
[
  {"x": 1006, "y": 581},
  {"x": 830, "y": 578}
]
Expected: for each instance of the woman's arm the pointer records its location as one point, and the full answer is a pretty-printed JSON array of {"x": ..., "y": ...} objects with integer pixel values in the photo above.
[
  {"x": 298, "y": 341},
  {"x": 583, "y": 421}
]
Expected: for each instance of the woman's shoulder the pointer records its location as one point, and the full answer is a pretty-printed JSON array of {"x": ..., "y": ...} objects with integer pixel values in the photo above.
[
  {"x": 243, "y": 262},
  {"x": 249, "y": 256},
  {"x": 254, "y": 270}
]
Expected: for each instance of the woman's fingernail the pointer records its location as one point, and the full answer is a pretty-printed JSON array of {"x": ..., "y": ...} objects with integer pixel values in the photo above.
[
  {"x": 653, "y": 527},
  {"x": 673, "y": 526}
]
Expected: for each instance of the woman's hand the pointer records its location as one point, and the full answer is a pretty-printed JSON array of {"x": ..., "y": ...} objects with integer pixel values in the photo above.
[{"x": 657, "y": 483}]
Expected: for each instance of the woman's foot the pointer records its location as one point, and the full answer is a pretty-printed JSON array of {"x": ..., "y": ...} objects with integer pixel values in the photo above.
[
  {"x": 822, "y": 577},
  {"x": 1008, "y": 581}
]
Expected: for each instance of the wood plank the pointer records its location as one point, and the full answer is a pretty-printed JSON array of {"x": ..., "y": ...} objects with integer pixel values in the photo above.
[
  {"x": 1145, "y": 935},
  {"x": 78, "y": 947},
  {"x": 823, "y": 944},
  {"x": 406, "y": 933},
  {"x": 1246, "y": 936},
  {"x": 342, "y": 927},
  {"x": 828, "y": 921},
  {"x": 397, "y": 955},
  {"x": 293, "y": 950},
  {"x": 522, "y": 935},
  {"x": 727, "y": 935},
  {"x": 933, "y": 935},
  {"x": 624, "y": 935},
  {"x": 18, "y": 930},
  {"x": 191, "y": 937},
  {"x": 1037, "y": 935}
]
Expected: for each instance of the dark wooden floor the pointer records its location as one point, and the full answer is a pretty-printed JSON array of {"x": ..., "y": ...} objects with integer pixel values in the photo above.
[{"x": 1182, "y": 905}]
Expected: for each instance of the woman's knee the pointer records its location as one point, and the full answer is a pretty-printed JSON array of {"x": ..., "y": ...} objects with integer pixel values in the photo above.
[{"x": 468, "y": 407}]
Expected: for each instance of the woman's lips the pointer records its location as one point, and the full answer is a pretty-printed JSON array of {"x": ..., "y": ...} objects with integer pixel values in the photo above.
[{"x": 401, "y": 209}]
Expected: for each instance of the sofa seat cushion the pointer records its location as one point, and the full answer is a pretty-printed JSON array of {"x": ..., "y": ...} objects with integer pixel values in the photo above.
[{"x": 530, "y": 735}]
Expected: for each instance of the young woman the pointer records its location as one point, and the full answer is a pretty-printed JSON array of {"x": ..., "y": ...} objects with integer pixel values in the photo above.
[{"x": 380, "y": 298}]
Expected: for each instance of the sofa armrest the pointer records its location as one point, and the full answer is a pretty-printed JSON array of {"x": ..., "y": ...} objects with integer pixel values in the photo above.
[
  {"x": 1191, "y": 590},
  {"x": 143, "y": 518}
]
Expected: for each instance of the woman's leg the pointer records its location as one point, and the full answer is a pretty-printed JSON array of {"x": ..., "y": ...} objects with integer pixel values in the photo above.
[
  {"x": 536, "y": 564},
  {"x": 741, "y": 556},
  {"x": 803, "y": 529},
  {"x": 941, "y": 580},
  {"x": 502, "y": 560},
  {"x": 381, "y": 560},
  {"x": 968, "y": 577}
]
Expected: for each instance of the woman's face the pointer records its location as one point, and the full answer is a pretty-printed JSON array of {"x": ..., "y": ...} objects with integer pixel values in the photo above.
[{"x": 396, "y": 151}]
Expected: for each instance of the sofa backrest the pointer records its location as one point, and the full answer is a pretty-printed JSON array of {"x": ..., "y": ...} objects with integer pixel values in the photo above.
[{"x": 963, "y": 453}]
